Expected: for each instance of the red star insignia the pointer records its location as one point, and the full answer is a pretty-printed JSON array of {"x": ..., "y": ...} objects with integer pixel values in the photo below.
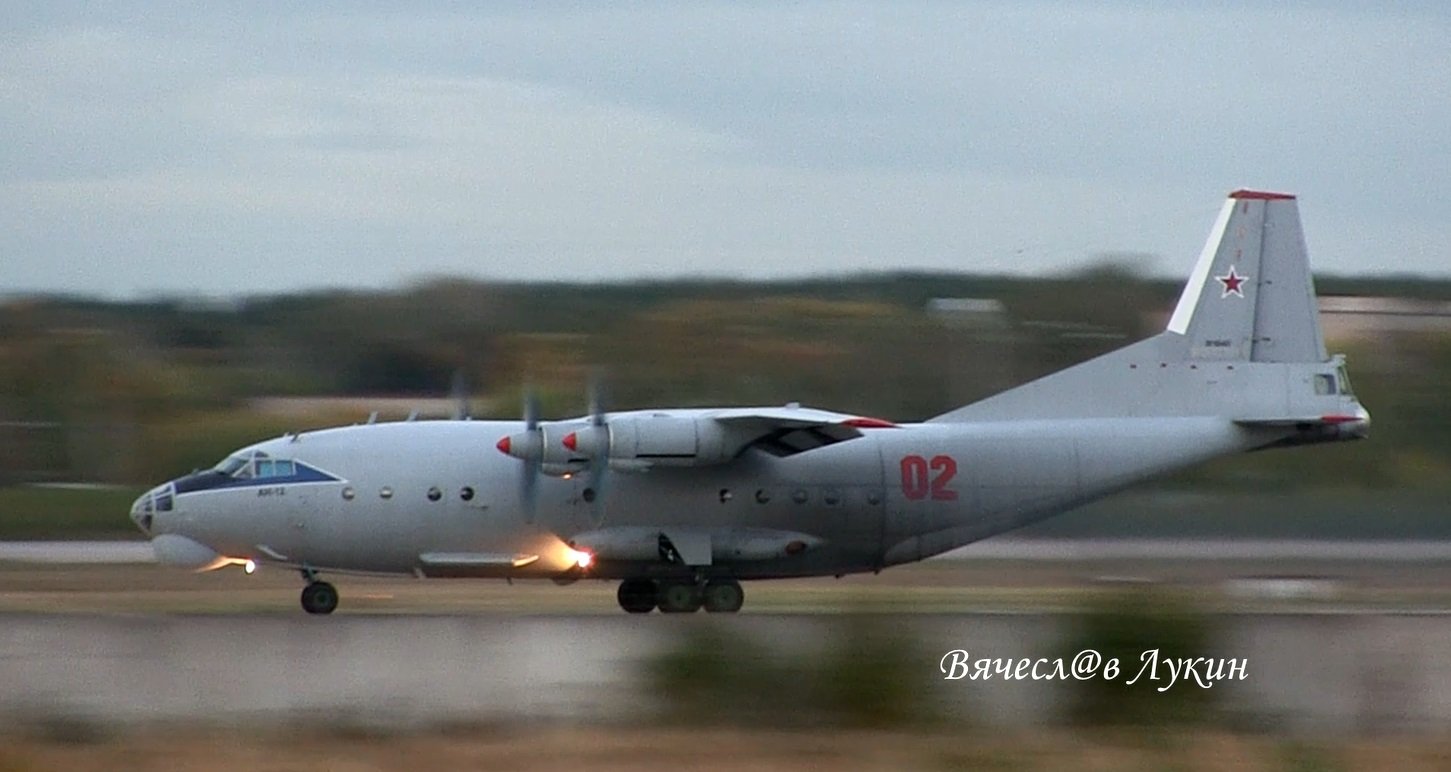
[{"x": 1232, "y": 283}]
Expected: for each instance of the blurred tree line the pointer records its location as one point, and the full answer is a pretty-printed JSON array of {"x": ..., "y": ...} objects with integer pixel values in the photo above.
[{"x": 134, "y": 391}]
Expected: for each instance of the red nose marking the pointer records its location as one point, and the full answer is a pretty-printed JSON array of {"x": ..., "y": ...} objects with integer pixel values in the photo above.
[
  {"x": 504, "y": 445},
  {"x": 571, "y": 441}
]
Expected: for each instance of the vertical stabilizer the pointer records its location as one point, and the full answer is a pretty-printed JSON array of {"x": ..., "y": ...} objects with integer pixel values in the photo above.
[
  {"x": 1244, "y": 340},
  {"x": 1251, "y": 296}
]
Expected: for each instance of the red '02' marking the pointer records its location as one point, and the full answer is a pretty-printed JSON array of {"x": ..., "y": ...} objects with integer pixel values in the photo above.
[{"x": 923, "y": 479}]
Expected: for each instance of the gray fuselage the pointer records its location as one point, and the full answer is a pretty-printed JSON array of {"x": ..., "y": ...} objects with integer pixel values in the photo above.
[{"x": 889, "y": 496}]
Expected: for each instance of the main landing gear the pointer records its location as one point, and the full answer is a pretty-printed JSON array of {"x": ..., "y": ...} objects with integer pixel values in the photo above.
[
  {"x": 717, "y": 596},
  {"x": 318, "y": 597}
]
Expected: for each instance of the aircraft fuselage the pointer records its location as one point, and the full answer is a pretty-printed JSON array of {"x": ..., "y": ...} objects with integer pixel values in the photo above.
[{"x": 396, "y": 491}]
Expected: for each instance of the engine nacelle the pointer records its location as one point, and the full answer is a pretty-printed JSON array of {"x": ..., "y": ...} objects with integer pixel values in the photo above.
[{"x": 660, "y": 440}]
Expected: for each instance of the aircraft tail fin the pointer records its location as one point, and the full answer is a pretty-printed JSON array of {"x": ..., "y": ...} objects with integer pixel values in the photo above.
[
  {"x": 1251, "y": 296},
  {"x": 1243, "y": 342}
]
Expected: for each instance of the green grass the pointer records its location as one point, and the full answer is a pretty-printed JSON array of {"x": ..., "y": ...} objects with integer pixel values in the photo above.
[{"x": 28, "y": 512}]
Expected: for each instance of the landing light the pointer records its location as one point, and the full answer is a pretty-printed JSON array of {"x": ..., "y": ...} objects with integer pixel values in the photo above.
[
  {"x": 580, "y": 559},
  {"x": 250, "y": 566}
]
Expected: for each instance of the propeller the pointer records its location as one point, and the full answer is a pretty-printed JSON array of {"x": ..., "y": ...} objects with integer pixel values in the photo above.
[
  {"x": 527, "y": 446},
  {"x": 593, "y": 442},
  {"x": 544, "y": 452},
  {"x": 599, "y": 461}
]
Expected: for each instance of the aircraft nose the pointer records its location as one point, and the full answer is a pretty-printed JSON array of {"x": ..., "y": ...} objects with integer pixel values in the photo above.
[
  {"x": 143, "y": 512},
  {"x": 149, "y": 505}
]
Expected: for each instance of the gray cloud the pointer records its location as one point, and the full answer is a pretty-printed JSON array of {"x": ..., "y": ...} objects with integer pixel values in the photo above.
[{"x": 157, "y": 149}]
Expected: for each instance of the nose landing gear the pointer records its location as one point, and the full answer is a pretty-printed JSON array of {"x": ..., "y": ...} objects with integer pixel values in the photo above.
[{"x": 318, "y": 597}]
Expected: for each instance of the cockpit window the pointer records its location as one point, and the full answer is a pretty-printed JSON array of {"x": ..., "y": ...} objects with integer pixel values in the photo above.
[
  {"x": 1344, "y": 379},
  {"x": 255, "y": 465},
  {"x": 274, "y": 468},
  {"x": 253, "y": 468},
  {"x": 231, "y": 465}
]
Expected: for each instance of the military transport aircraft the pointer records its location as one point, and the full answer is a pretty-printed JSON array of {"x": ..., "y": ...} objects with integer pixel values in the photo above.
[{"x": 680, "y": 505}]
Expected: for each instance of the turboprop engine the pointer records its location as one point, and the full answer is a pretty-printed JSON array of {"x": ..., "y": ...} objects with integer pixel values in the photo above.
[
  {"x": 634, "y": 442},
  {"x": 655, "y": 440}
]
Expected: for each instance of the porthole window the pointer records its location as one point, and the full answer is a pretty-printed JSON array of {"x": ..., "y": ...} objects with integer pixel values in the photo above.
[
  {"x": 762, "y": 496},
  {"x": 588, "y": 494},
  {"x": 799, "y": 496},
  {"x": 831, "y": 496},
  {"x": 874, "y": 497},
  {"x": 725, "y": 495},
  {"x": 349, "y": 493},
  {"x": 385, "y": 492},
  {"x": 466, "y": 493},
  {"x": 434, "y": 494}
]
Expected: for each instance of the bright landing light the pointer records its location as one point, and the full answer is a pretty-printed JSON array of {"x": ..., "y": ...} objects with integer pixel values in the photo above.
[
  {"x": 581, "y": 559},
  {"x": 249, "y": 566}
]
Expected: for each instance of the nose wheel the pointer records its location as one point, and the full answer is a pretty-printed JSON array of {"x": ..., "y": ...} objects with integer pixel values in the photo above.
[{"x": 319, "y": 598}]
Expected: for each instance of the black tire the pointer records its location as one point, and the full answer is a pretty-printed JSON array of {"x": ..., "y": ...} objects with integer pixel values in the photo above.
[
  {"x": 723, "y": 596},
  {"x": 319, "y": 598},
  {"x": 679, "y": 598},
  {"x": 637, "y": 596}
]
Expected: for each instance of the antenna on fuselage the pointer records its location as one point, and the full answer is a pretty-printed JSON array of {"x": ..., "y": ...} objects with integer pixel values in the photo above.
[{"x": 459, "y": 391}]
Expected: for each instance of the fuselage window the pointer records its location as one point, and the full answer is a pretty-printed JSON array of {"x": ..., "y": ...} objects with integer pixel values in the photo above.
[
  {"x": 434, "y": 494},
  {"x": 467, "y": 494}
]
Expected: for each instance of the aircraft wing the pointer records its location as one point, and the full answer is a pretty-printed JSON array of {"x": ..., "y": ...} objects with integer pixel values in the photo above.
[
  {"x": 640, "y": 440},
  {"x": 786, "y": 431}
]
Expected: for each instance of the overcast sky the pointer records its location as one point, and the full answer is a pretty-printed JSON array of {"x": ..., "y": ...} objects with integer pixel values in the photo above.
[{"x": 154, "y": 148}]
